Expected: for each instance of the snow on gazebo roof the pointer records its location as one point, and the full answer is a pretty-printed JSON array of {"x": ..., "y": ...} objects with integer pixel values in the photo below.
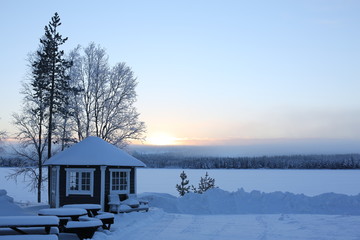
[{"x": 94, "y": 151}]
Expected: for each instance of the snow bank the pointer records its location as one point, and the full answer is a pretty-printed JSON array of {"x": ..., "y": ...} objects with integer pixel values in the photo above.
[
  {"x": 159, "y": 225},
  {"x": 8, "y": 207},
  {"x": 218, "y": 201}
]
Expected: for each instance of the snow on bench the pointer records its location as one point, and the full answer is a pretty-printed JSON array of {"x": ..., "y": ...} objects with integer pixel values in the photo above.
[
  {"x": 29, "y": 230},
  {"x": 29, "y": 237},
  {"x": 28, "y": 221},
  {"x": 84, "y": 224},
  {"x": 124, "y": 208},
  {"x": 22, "y": 224},
  {"x": 89, "y": 206},
  {"x": 106, "y": 218},
  {"x": 84, "y": 228},
  {"x": 92, "y": 209},
  {"x": 129, "y": 205},
  {"x": 63, "y": 212}
]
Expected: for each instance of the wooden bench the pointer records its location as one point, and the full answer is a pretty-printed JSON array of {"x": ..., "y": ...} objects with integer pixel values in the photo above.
[
  {"x": 132, "y": 204},
  {"x": 29, "y": 230},
  {"x": 83, "y": 229},
  {"x": 22, "y": 224},
  {"x": 107, "y": 219},
  {"x": 123, "y": 208},
  {"x": 29, "y": 237},
  {"x": 29, "y": 227}
]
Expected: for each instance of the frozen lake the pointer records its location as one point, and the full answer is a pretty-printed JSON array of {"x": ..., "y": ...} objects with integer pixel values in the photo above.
[{"x": 308, "y": 182}]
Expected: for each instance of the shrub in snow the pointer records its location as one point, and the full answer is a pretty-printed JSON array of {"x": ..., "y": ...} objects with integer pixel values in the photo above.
[
  {"x": 2, "y": 192},
  {"x": 5, "y": 197},
  {"x": 205, "y": 184},
  {"x": 182, "y": 188}
]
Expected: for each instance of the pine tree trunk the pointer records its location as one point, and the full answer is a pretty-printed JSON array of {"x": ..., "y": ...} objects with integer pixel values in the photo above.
[
  {"x": 63, "y": 137},
  {"x": 40, "y": 168},
  {"x": 39, "y": 152},
  {"x": 51, "y": 108},
  {"x": 39, "y": 183}
]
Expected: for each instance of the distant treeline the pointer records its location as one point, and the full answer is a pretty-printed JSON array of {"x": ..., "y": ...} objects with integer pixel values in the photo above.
[
  {"x": 168, "y": 160},
  {"x": 11, "y": 161},
  {"x": 174, "y": 160}
]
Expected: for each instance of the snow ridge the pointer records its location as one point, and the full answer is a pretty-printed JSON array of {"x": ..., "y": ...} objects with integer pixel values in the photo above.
[
  {"x": 218, "y": 201},
  {"x": 7, "y": 205}
]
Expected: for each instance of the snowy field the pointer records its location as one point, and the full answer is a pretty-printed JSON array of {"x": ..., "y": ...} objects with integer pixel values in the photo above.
[
  {"x": 163, "y": 226},
  {"x": 308, "y": 182},
  {"x": 229, "y": 213}
]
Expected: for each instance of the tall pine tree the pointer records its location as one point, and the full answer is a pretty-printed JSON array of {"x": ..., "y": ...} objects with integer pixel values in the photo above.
[
  {"x": 45, "y": 99},
  {"x": 51, "y": 81}
]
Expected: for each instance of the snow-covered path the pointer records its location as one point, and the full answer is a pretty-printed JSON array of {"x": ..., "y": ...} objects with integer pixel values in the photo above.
[{"x": 159, "y": 225}]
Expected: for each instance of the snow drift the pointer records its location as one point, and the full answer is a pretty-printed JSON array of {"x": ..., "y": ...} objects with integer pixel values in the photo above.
[
  {"x": 218, "y": 201},
  {"x": 7, "y": 205}
]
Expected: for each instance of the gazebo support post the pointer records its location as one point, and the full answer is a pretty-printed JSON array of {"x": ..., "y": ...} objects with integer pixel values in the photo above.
[{"x": 102, "y": 191}]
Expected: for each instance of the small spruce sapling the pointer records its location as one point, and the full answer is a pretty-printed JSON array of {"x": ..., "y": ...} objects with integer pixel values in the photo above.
[
  {"x": 182, "y": 188},
  {"x": 205, "y": 184}
]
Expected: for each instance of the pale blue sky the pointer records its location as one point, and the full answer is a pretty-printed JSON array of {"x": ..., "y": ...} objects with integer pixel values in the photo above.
[{"x": 211, "y": 71}]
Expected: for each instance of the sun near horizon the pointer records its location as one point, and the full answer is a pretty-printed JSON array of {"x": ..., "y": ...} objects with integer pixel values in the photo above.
[{"x": 162, "y": 139}]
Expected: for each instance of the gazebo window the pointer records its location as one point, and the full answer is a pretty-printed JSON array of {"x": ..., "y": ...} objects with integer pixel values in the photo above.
[
  {"x": 119, "y": 180},
  {"x": 79, "y": 181}
]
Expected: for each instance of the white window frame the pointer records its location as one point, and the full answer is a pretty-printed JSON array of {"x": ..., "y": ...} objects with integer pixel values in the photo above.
[
  {"x": 127, "y": 171},
  {"x": 80, "y": 192}
]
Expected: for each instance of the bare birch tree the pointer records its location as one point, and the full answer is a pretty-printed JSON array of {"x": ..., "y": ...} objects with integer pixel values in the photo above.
[
  {"x": 105, "y": 107},
  {"x": 77, "y": 125},
  {"x": 3, "y": 135},
  {"x": 32, "y": 138},
  {"x": 31, "y": 124}
]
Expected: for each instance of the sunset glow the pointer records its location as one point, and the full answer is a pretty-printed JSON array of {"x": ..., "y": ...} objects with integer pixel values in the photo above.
[
  {"x": 237, "y": 73},
  {"x": 161, "y": 139}
]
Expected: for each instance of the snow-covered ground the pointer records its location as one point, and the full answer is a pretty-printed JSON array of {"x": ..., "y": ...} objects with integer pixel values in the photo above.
[
  {"x": 160, "y": 225},
  {"x": 231, "y": 213}
]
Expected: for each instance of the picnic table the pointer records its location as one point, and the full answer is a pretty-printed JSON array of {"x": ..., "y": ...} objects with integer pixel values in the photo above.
[
  {"x": 74, "y": 220},
  {"x": 64, "y": 214},
  {"x": 92, "y": 209},
  {"x": 10, "y": 225},
  {"x": 73, "y": 213}
]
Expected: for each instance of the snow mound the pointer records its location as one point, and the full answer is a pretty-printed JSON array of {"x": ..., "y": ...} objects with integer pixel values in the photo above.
[
  {"x": 7, "y": 205},
  {"x": 218, "y": 201}
]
